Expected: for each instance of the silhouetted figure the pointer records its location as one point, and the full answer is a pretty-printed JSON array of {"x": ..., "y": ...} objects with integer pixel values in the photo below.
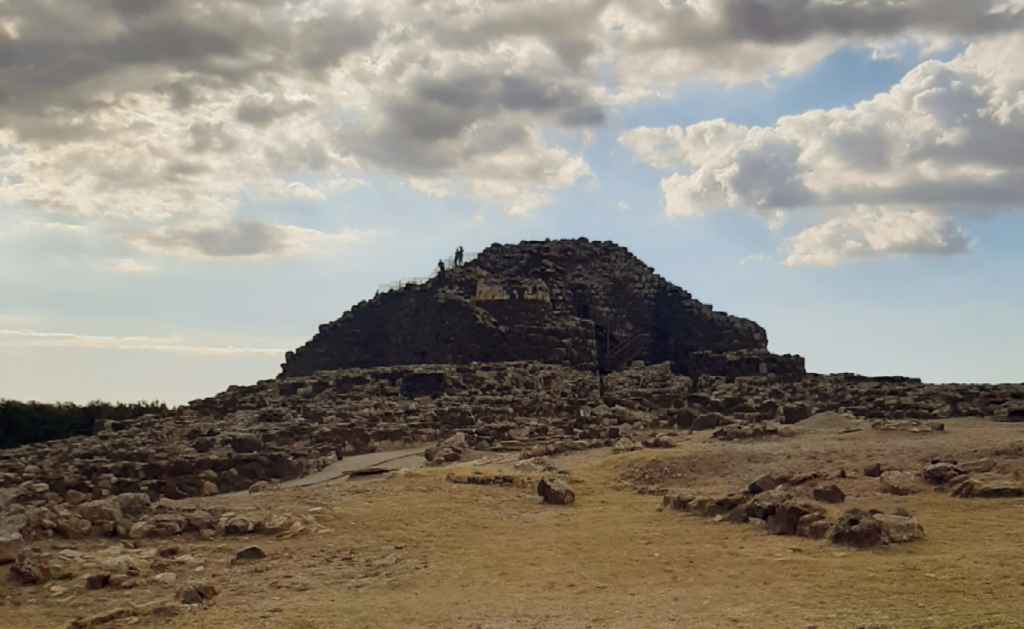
[
  {"x": 440, "y": 269},
  {"x": 458, "y": 256}
]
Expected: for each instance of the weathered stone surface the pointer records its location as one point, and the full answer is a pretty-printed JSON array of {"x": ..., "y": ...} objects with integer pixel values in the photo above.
[
  {"x": 787, "y": 516},
  {"x": 899, "y": 483},
  {"x": 762, "y": 484},
  {"x": 585, "y": 304},
  {"x": 198, "y": 593},
  {"x": 556, "y": 491},
  {"x": 103, "y": 618},
  {"x": 251, "y": 553},
  {"x": 873, "y": 471},
  {"x": 938, "y": 473},
  {"x": 29, "y": 569},
  {"x": 898, "y": 529},
  {"x": 764, "y": 504},
  {"x": 988, "y": 488},
  {"x": 830, "y": 493},
  {"x": 856, "y": 528},
  {"x": 793, "y": 413},
  {"x": 10, "y": 547}
]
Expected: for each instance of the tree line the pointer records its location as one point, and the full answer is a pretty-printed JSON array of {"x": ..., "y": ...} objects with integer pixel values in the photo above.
[{"x": 30, "y": 422}]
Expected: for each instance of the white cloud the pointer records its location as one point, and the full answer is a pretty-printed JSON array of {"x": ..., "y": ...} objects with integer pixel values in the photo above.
[
  {"x": 160, "y": 115},
  {"x": 437, "y": 188},
  {"x": 946, "y": 142},
  {"x": 237, "y": 238},
  {"x": 128, "y": 265},
  {"x": 867, "y": 233},
  {"x": 32, "y": 338},
  {"x": 623, "y": 206}
]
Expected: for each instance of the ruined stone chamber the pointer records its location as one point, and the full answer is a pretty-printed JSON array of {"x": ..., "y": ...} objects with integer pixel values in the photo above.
[{"x": 592, "y": 306}]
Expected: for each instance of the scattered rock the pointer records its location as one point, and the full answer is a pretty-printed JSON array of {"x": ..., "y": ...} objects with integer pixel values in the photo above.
[
  {"x": 988, "y": 488},
  {"x": 251, "y": 553},
  {"x": 793, "y": 413},
  {"x": 898, "y": 529},
  {"x": 556, "y": 491},
  {"x": 198, "y": 593},
  {"x": 101, "y": 619},
  {"x": 97, "y": 581},
  {"x": 29, "y": 569},
  {"x": 762, "y": 484},
  {"x": 856, "y": 528},
  {"x": 10, "y": 547},
  {"x": 787, "y": 516},
  {"x": 899, "y": 483},
  {"x": 873, "y": 471},
  {"x": 166, "y": 578},
  {"x": 831, "y": 494},
  {"x": 939, "y": 473},
  {"x": 625, "y": 444}
]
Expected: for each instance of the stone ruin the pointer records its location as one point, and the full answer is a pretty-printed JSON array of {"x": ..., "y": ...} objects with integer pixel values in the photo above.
[
  {"x": 715, "y": 375},
  {"x": 592, "y": 306}
]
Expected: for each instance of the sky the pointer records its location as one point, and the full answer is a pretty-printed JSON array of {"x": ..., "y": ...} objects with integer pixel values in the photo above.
[{"x": 188, "y": 189}]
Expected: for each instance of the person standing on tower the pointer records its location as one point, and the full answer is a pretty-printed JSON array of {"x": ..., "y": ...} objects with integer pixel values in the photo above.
[{"x": 458, "y": 256}]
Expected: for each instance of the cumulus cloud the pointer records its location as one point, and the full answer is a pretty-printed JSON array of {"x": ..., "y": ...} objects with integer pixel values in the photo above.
[
  {"x": 174, "y": 345},
  {"x": 866, "y": 233},
  {"x": 166, "y": 114},
  {"x": 894, "y": 172}
]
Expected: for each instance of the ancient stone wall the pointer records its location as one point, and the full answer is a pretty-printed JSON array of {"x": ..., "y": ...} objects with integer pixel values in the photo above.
[
  {"x": 278, "y": 430},
  {"x": 589, "y": 305}
]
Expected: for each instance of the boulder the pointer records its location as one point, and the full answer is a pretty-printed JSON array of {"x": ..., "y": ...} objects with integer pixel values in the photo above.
[
  {"x": 251, "y": 553},
  {"x": 29, "y": 569},
  {"x": 939, "y": 473},
  {"x": 793, "y": 413},
  {"x": 898, "y": 529},
  {"x": 787, "y": 516},
  {"x": 979, "y": 466},
  {"x": 899, "y": 483},
  {"x": 856, "y": 528},
  {"x": 762, "y": 484},
  {"x": 623, "y": 445},
  {"x": 873, "y": 471},
  {"x": 132, "y": 505},
  {"x": 100, "y": 512},
  {"x": 766, "y": 503},
  {"x": 988, "y": 488},
  {"x": 556, "y": 491},
  {"x": 140, "y": 530},
  {"x": 97, "y": 581},
  {"x": 707, "y": 421},
  {"x": 814, "y": 526},
  {"x": 240, "y": 525},
  {"x": 830, "y": 493},
  {"x": 10, "y": 547},
  {"x": 198, "y": 593}
]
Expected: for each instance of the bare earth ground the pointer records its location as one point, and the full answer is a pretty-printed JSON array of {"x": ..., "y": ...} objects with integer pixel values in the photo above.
[{"x": 412, "y": 550}]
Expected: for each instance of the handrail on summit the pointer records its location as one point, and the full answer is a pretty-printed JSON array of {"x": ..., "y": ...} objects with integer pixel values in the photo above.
[{"x": 449, "y": 263}]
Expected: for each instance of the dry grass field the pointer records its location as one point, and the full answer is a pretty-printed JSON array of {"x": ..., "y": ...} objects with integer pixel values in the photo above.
[{"x": 413, "y": 550}]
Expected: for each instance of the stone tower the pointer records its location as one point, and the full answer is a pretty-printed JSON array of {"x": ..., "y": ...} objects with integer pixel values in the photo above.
[{"x": 590, "y": 305}]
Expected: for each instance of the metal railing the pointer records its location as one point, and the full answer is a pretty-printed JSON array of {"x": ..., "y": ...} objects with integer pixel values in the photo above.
[{"x": 449, "y": 263}]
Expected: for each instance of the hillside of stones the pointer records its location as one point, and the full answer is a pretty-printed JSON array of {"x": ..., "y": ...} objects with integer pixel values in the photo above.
[
  {"x": 577, "y": 303},
  {"x": 279, "y": 430}
]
